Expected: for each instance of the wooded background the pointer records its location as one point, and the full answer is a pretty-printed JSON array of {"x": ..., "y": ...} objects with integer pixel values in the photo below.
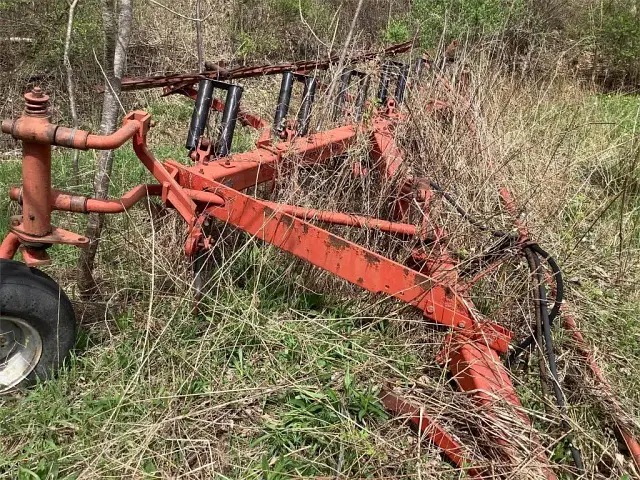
[{"x": 598, "y": 41}]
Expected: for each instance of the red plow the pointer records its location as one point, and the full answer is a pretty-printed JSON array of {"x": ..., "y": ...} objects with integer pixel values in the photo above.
[{"x": 216, "y": 184}]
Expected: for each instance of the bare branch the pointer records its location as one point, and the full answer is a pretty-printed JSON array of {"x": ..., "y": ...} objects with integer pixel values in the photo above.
[
  {"x": 343, "y": 55},
  {"x": 17, "y": 39},
  {"x": 116, "y": 41},
  {"x": 199, "y": 38},
  {"x": 70, "y": 86},
  {"x": 191, "y": 19}
]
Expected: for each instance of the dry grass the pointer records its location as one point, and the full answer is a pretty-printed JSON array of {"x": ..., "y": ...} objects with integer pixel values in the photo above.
[{"x": 277, "y": 377}]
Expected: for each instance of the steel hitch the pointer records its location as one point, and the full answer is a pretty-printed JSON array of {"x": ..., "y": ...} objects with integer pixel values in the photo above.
[{"x": 32, "y": 231}]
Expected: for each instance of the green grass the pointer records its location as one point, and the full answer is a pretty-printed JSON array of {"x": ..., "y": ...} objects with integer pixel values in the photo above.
[{"x": 287, "y": 379}]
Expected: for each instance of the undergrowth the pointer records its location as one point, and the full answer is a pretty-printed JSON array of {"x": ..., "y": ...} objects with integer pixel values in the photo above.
[{"x": 277, "y": 375}]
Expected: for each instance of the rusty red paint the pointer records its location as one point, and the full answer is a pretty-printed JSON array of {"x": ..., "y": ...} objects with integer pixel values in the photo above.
[
  {"x": 477, "y": 369},
  {"x": 9, "y": 246},
  {"x": 431, "y": 429},
  {"x": 35, "y": 257}
]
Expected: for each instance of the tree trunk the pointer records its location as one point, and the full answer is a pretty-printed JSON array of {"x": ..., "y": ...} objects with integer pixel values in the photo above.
[{"x": 116, "y": 41}]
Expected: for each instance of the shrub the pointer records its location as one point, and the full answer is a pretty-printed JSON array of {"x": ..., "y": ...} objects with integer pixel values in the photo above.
[{"x": 454, "y": 19}]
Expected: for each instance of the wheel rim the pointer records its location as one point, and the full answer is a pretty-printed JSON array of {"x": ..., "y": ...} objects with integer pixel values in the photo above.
[{"x": 20, "y": 350}]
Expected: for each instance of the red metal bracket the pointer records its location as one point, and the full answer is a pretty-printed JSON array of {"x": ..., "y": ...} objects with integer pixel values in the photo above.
[
  {"x": 56, "y": 236},
  {"x": 477, "y": 369},
  {"x": 431, "y": 429}
]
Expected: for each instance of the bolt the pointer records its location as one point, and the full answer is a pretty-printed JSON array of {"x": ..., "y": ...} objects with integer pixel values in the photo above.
[
  {"x": 461, "y": 324},
  {"x": 430, "y": 309},
  {"x": 36, "y": 103}
]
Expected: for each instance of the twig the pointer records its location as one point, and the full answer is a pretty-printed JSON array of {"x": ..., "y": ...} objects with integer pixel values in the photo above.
[
  {"x": 306, "y": 24},
  {"x": 343, "y": 55},
  {"x": 179, "y": 14},
  {"x": 106, "y": 80},
  {"x": 200, "y": 50},
  {"x": 70, "y": 89}
]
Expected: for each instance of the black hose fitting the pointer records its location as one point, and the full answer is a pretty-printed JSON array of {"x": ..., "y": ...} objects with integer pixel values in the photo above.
[
  {"x": 284, "y": 99},
  {"x": 200, "y": 113},
  {"x": 229, "y": 119}
]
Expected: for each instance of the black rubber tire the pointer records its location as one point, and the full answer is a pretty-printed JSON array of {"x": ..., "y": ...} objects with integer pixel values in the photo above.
[{"x": 33, "y": 296}]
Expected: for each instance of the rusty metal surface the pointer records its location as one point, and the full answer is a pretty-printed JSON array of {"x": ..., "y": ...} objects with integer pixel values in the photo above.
[
  {"x": 477, "y": 369},
  {"x": 115, "y": 140},
  {"x": 55, "y": 236},
  {"x": 35, "y": 257},
  {"x": 82, "y": 204},
  {"x": 9, "y": 246},
  {"x": 431, "y": 429},
  {"x": 182, "y": 80},
  {"x": 339, "y": 218},
  {"x": 36, "y": 192}
]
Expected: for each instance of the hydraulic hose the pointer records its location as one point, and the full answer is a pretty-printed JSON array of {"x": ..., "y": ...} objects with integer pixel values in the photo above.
[
  {"x": 555, "y": 269},
  {"x": 555, "y": 311},
  {"x": 551, "y": 358},
  {"x": 544, "y": 318}
]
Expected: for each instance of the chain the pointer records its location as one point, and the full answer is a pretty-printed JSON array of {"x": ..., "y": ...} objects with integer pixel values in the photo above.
[{"x": 181, "y": 80}]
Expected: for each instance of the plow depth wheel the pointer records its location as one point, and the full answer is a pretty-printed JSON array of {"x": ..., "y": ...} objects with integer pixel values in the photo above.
[{"x": 37, "y": 325}]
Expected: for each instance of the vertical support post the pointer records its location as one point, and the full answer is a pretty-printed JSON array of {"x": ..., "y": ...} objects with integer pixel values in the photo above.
[
  {"x": 200, "y": 114},
  {"x": 401, "y": 86},
  {"x": 308, "y": 96},
  {"x": 363, "y": 89},
  {"x": 284, "y": 98},
  {"x": 383, "y": 89},
  {"x": 228, "y": 122},
  {"x": 36, "y": 169},
  {"x": 342, "y": 93},
  {"x": 36, "y": 190}
]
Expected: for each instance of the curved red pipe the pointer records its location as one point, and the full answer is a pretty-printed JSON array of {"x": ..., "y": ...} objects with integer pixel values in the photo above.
[
  {"x": 116, "y": 139},
  {"x": 69, "y": 202},
  {"x": 9, "y": 246}
]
